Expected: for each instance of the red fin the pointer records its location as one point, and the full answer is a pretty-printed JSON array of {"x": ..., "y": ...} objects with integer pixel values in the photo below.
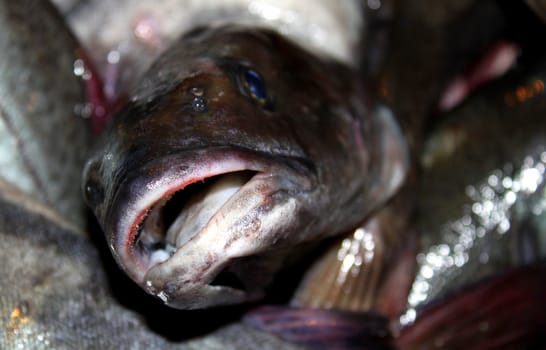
[
  {"x": 323, "y": 329},
  {"x": 503, "y": 312}
]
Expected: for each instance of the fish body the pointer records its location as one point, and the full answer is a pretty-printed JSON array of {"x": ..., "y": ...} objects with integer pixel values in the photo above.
[
  {"x": 43, "y": 138},
  {"x": 458, "y": 173},
  {"x": 277, "y": 135}
]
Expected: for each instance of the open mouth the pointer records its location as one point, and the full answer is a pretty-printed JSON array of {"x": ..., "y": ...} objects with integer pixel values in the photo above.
[
  {"x": 173, "y": 221},
  {"x": 192, "y": 228}
]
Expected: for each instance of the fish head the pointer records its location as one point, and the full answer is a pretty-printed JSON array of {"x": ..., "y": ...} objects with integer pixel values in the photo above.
[{"x": 236, "y": 149}]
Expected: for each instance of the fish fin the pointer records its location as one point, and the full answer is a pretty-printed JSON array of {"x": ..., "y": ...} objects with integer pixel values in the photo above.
[
  {"x": 503, "y": 312},
  {"x": 347, "y": 275},
  {"x": 323, "y": 329},
  {"x": 371, "y": 268}
]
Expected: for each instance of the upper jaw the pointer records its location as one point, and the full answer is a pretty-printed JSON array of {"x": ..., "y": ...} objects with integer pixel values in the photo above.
[{"x": 181, "y": 266}]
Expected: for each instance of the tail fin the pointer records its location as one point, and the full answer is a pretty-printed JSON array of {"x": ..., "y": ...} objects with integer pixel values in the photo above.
[{"x": 503, "y": 312}]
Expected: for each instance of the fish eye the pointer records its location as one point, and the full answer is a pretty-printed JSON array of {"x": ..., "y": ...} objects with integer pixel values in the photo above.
[{"x": 252, "y": 84}]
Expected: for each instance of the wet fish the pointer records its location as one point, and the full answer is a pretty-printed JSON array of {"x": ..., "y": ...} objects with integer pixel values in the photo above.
[
  {"x": 499, "y": 221},
  {"x": 213, "y": 172},
  {"x": 482, "y": 219},
  {"x": 43, "y": 140}
]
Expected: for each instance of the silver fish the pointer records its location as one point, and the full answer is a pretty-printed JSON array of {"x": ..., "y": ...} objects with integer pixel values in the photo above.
[{"x": 43, "y": 140}]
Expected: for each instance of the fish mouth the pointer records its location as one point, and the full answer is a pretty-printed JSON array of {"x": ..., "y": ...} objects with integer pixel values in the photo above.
[
  {"x": 189, "y": 235},
  {"x": 177, "y": 218}
]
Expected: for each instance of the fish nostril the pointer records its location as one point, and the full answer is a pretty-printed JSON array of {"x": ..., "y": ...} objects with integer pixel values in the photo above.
[{"x": 227, "y": 278}]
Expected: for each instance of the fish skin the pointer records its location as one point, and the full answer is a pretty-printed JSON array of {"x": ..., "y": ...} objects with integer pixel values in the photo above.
[
  {"x": 489, "y": 151},
  {"x": 37, "y": 113},
  {"x": 160, "y": 140},
  {"x": 468, "y": 155}
]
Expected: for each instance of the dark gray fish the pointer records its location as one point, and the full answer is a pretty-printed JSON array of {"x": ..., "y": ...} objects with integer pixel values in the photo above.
[
  {"x": 43, "y": 140},
  {"x": 226, "y": 158}
]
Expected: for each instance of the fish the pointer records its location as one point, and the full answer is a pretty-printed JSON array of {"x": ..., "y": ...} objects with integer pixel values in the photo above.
[
  {"x": 466, "y": 239},
  {"x": 147, "y": 222},
  {"x": 480, "y": 271},
  {"x": 210, "y": 174},
  {"x": 44, "y": 138}
]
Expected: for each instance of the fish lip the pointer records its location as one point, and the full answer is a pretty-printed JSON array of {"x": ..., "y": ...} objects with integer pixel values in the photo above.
[{"x": 217, "y": 161}]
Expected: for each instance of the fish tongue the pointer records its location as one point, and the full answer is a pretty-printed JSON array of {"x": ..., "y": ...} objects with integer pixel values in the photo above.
[{"x": 197, "y": 212}]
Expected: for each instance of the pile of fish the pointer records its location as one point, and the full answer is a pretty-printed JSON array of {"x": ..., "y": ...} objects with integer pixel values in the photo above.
[{"x": 277, "y": 174}]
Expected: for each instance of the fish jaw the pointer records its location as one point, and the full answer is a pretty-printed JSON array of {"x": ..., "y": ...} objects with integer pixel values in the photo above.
[{"x": 243, "y": 213}]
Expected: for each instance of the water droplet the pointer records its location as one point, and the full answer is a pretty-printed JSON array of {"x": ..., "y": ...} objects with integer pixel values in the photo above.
[
  {"x": 493, "y": 180},
  {"x": 163, "y": 296},
  {"x": 196, "y": 91},
  {"x": 113, "y": 57},
  {"x": 79, "y": 67},
  {"x": 427, "y": 272},
  {"x": 507, "y": 182},
  {"x": 408, "y": 317}
]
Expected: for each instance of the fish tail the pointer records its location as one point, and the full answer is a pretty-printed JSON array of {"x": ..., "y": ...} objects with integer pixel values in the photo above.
[{"x": 502, "y": 312}]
